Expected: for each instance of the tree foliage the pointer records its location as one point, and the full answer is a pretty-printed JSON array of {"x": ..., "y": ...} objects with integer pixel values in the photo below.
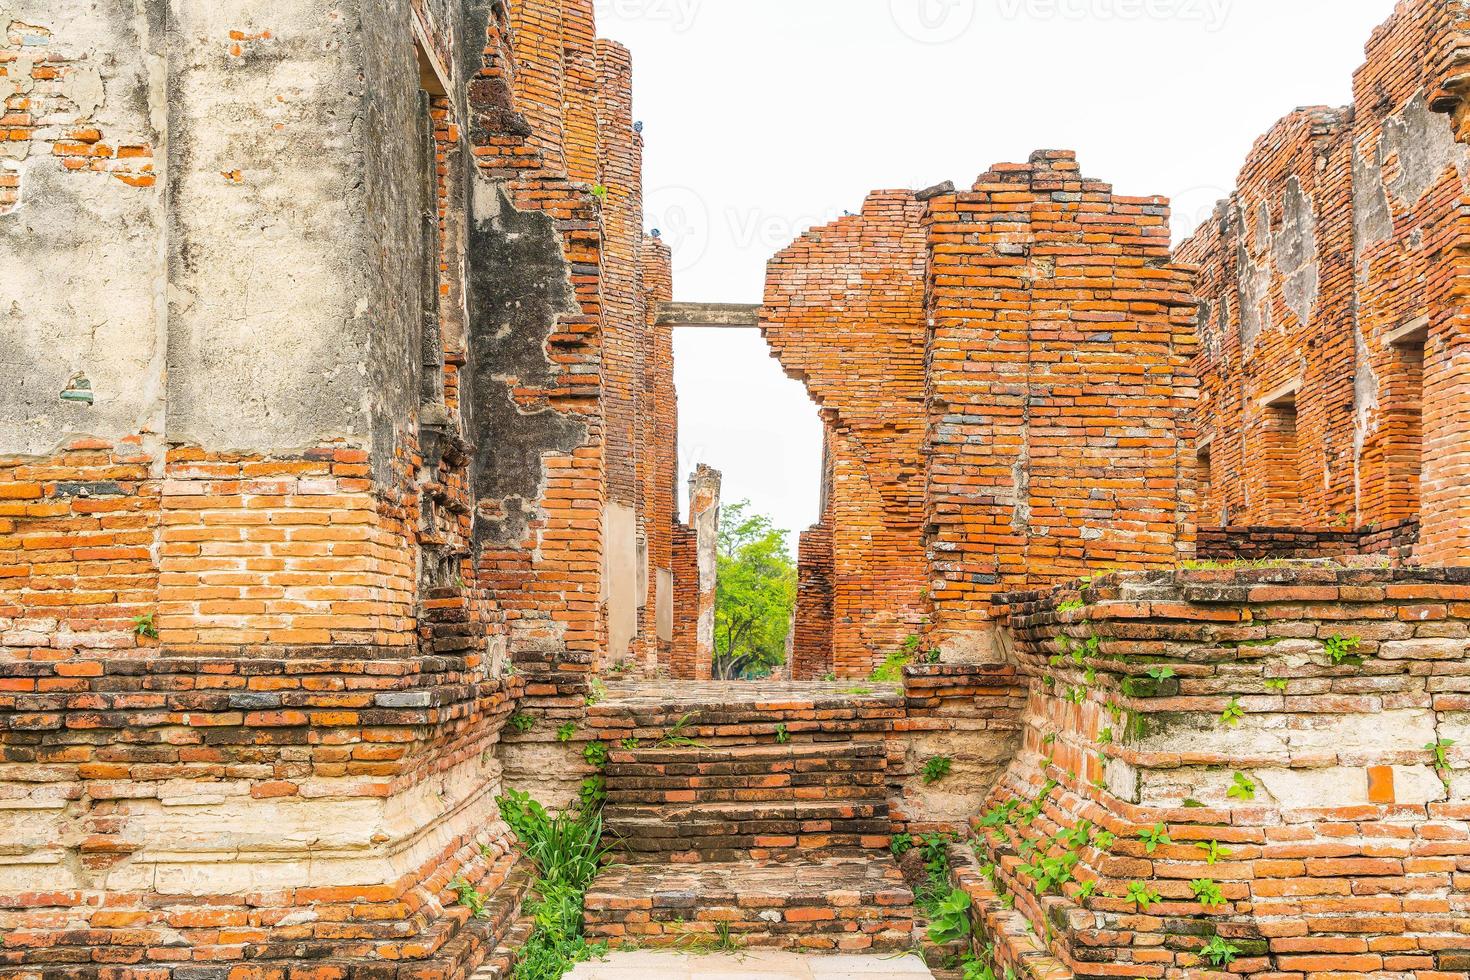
[{"x": 755, "y": 595}]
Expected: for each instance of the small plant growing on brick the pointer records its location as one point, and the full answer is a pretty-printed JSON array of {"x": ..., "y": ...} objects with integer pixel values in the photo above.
[
  {"x": 597, "y": 692},
  {"x": 1071, "y": 605},
  {"x": 933, "y": 656},
  {"x": 1153, "y": 837},
  {"x": 1242, "y": 788},
  {"x": 565, "y": 732},
  {"x": 936, "y": 769},
  {"x": 631, "y": 743},
  {"x": 1440, "y": 749},
  {"x": 1161, "y": 673},
  {"x": 1076, "y": 695},
  {"x": 1341, "y": 649},
  {"x": 593, "y": 792},
  {"x": 950, "y": 920},
  {"x": 1143, "y": 896},
  {"x": 1213, "y": 851},
  {"x": 1233, "y": 713},
  {"x": 1105, "y": 737},
  {"x": 782, "y": 735},
  {"x": 1207, "y": 893},
  {"x": 599, "y": 191},
  {"x": 1279, "y": 685},
  {"x": 522, "y": 722},
  {"x": 676, "y": 737},
  {"x": 1219, "y": 952},
  {"x": 466, "y": 895},
  {"x": 143, "y": 626},
  {"x": 901, "y": 844}
]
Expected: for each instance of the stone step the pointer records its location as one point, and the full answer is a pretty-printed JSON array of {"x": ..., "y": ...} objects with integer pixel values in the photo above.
[
  {"x": 747, "y": 773},
  {"x": 836, "y": 904},
  {"x": 739, "y": 831}
]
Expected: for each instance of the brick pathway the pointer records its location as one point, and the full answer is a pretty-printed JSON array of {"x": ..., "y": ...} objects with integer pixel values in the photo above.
[{"x": 763, "y": 965}]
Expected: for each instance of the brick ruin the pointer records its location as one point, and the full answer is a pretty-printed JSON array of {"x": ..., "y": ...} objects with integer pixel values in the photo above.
[
  {"x": 338, "y": 494},
  {"x": 1006, "y": 390}
]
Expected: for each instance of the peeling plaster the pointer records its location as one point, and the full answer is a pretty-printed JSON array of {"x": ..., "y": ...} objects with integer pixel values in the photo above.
[
  {"x": 1295, "y": 251},
  {"x": 1372, "y": 220},
  {"x": 519, "y": 287},
  {"x": 1254, "y": 277},
  {"x": 1424, "y": 144}
]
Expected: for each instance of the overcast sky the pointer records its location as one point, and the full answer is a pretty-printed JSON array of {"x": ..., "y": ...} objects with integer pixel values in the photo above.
[{"x": 765, "y": 117}]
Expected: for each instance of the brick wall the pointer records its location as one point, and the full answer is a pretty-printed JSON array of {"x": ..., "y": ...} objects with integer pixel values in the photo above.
[
  {"x": 1059, "y": 389},
  {"x": 1034, "y": 341},
  {"x": 1330, "y": 349},
  {"x": 251, "y": 698},
  {"x": 860, "y": 281}
]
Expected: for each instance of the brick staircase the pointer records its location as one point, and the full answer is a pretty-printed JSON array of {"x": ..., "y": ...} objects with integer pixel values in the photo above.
[
  {"x": 780, "y": 845},
  {"x": 748, "y": 802}
]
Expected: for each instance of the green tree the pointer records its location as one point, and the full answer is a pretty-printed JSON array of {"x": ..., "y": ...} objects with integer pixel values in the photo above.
[{"x": 755, "y": 595}]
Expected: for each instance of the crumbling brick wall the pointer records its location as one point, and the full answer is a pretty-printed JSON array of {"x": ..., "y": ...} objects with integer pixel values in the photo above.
[
  {"x": 255, "y": 568},
  {"x": 1059, "y": 391},
  {"x": 1034, "y": 342},
  {"x": 811, "y": 636},
  {"x": 844, "y": 314},
  {"x": 1331, "y": 352},
  {"x": 695, "y": 553}
]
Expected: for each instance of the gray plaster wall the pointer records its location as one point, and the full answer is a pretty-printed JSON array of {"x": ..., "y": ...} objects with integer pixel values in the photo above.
[
  {"x": 266, "y": 294},
  {"x": 290, "y": 285},
  {"x": 81, "y": 253}
]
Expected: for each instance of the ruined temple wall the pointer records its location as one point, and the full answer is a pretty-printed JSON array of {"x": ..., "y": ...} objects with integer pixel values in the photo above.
[
  {"x": 249, "y": 703},
  {"x": 1331, "y": 349},
  {"x": 844, "y": 314},
  {"x": 695, "y": 568},
  {"x": 811, "y": 637},
  {"x": 1306, "y": 720},
  {"x": 1059, "y": 393},
  {"x": 1276, "y": 351},
  {"x": 251, "y": 673},
  {"x": 877, "y": 569}
]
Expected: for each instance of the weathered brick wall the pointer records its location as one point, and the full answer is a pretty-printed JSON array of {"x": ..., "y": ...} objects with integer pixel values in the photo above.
[
  {"x": 257, "y": 567},
  {"x": 844, "y": 314},
  {"x": 1307, "y": 720},
  {"x": 659, "y": 462},
  {"x": 1395, "y": 541},
  {"x": 1331, "y": 350},
  {"x": 1032, "y": 340},
  {"x": 1059, "y": 390}
]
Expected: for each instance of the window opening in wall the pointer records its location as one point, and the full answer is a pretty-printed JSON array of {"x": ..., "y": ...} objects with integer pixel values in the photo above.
[
  {"x": 1204, "y": 484},
  {"x": 1404, "y": 414},
  {"x": 1281, "y": 452}
]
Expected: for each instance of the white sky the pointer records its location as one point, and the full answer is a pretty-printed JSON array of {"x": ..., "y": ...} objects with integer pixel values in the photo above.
[{"x": 765, "y": 117}]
